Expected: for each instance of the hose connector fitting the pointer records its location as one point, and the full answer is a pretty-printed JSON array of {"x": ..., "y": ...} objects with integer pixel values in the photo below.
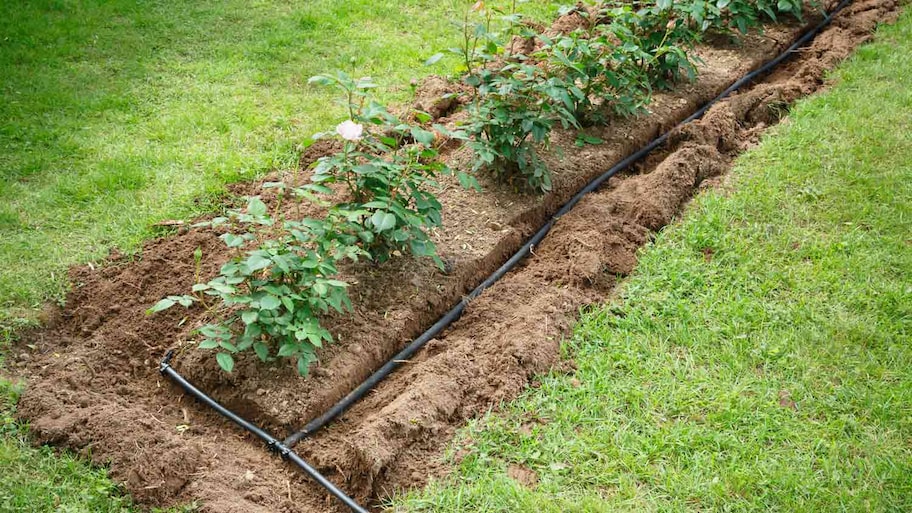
[{"x": 166, "y": 362}]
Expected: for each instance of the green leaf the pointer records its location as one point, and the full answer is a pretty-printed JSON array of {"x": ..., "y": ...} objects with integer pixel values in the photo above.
[
  {"x": 422, "y": 117},
  {"x": 282, "y": 262},
  {"x": 163, "y": 304},
  {"x": 433, "y": 59},
  {"x": 303, "y": 365},
  {"x": 249, "y": 317},
  {"x": 784, "y": 6},
  {"x": 231, "y": 240},
  {"x": 335, "y": 302},
  {"x": 288, "y": 349},
  {"x": 422, "y": 136},
  {"x": 221, "y": 287},
  {"x": 262, "y": 350},
  {"x": 383, "y": 221},
  {"x": 468, "y": 181},
  {"x": 365, "y": 83},
  {"x": 320, "y": 80},
  {"x": 225, "y": 361},
  {"x": 317, "y": 188},
  {"x": 256, "y": 207},
  {"x": 256, "y": 262},
  {"x": 364, "y": 169},
  {"x": 244, "y": 342},
  {"x": 422, "y": 247},
  {"x": 663, "y": 4},
  {"x": 253, "y": 331},
  {"x": 276, "y": 290},
  {"x": 211, "y": 331},
  {"x": 208, "y": 344},
  {"x": 289, "y": 304},
  {"x": 269, "y": 302},
  {"x": 583, "y": 139},
  {"x": 742, "y": 25}
]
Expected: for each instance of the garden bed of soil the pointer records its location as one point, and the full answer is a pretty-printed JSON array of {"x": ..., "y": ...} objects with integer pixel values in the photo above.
[{"x": 93, "y": 384}]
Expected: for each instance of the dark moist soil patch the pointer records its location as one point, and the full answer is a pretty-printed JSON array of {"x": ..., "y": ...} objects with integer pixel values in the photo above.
[{"x": 93, "y": 384}]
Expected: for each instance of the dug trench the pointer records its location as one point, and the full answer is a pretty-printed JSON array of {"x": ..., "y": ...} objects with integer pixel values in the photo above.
[{"x": 92, "y": 380}]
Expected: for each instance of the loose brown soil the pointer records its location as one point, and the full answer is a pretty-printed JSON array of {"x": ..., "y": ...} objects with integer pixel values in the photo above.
[{"x": 93, "y": 384}]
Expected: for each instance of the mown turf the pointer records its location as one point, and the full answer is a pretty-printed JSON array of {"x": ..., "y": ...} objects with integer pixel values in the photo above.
[
  {"x": 760, "y": 358},
  {"x": 118, "y": 114}
]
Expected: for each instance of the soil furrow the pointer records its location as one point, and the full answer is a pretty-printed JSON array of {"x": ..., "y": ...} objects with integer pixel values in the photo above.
[{"x": 396, "y": 302}]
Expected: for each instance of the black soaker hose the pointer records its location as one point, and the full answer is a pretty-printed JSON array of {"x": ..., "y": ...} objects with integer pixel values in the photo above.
[
  {"x": 273, "y": 444},
  {"x": 283, "y": 448},
  {"x": 410, "y": 350}
]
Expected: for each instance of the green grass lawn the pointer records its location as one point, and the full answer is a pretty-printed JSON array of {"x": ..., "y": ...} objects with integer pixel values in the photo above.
[
  {"x": 118, "y": 114},
  {"x": 776, "y": 376}
]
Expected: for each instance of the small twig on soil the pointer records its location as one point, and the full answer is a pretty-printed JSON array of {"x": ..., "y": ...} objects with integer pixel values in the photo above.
[
  {"x": 131, "y": 285},
  {"x": 577, "y": 239},
  {"x": 169, "y": 222},
  {"x": 341, "y": 473},
  {"x": 91, "y": 370}
]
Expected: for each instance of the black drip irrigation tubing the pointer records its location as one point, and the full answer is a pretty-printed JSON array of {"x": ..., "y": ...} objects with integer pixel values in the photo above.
[
  {"x": 283, "y": 448},
  {"x": 273, "y": 444}
]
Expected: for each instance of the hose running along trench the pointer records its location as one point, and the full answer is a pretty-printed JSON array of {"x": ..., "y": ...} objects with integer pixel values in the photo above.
[
  {"x": 272, "y": 444},
  {"x": 283, "y": 448}
]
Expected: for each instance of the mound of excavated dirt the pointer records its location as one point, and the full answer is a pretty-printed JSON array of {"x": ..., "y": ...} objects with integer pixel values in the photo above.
[{"x": 93, "y": 384}]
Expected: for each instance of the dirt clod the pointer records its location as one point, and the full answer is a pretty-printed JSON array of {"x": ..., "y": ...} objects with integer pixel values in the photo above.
[{"x": 523, "y": 475}]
